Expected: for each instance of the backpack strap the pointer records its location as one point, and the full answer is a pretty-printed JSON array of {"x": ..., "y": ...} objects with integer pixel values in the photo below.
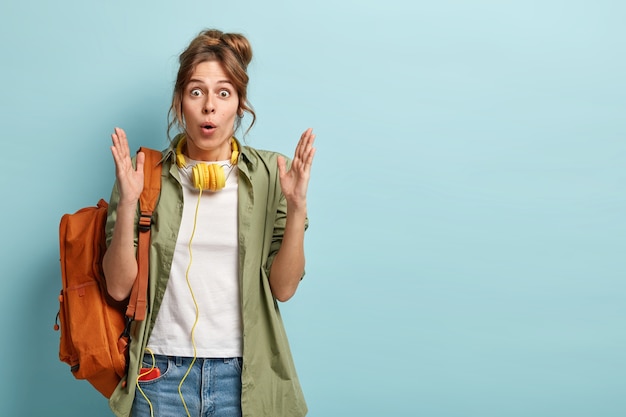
[{"x": 138, "y": 302}]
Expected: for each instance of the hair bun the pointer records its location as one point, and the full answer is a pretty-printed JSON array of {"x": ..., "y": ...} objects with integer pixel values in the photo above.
[
  {"x": 238, "y": 43},
  {"x": 240, "y": 46}
]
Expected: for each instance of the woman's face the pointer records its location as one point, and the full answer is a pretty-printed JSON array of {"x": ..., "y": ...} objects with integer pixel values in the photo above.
[{"x": 210, "y": 104}]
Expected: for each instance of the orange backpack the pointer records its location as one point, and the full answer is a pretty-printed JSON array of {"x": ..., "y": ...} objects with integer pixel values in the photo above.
[{"x": 95, "y": 332}]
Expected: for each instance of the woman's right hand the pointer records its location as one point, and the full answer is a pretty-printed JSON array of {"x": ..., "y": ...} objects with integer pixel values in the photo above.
[{"x": 130, "y": 180}]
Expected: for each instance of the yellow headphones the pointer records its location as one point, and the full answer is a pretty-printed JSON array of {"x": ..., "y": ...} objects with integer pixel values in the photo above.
[{"x": 206, "y": 176}]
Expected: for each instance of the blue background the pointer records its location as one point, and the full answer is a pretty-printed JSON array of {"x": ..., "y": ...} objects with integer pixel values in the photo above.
[{"x": 466, "y": 255}]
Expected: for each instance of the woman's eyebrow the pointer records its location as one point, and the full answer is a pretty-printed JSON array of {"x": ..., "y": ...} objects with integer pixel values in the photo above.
[{"x": 195, "y": 80}]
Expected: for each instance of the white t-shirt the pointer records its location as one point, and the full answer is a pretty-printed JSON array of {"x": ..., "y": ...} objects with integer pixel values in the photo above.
[{"x": 212, "y": 273}]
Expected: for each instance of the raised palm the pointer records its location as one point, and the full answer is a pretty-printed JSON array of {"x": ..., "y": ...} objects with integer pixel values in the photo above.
[{"x": 295, "y": 180}]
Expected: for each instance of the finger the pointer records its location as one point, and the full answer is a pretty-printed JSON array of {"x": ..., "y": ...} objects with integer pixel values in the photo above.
[
  {"x": 121, "y": 134},
  {"x": 308, "y": 160},
  {"x": 307, "y": 148},
  {"x": 116, "y": 150},
  {"x": 120, "y": 150},
  {"x": 122, "y": 142},
  {"x": 117, "y": 146},
  {"x": 115, "y": 140},
  {"x": 309, "y": 140},
  {"x": 307, "y": 132},
  {"x": 282, "y": 166},
  {"x": 115, "y": 154},
  {"x": 141, "y": 158},
  {"x": 303, "y": 143}
]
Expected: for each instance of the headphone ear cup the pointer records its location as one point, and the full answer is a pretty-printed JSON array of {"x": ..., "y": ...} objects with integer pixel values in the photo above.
[
  {"x": 208, "y": 177},
  {"x": 218, "y": 177}
]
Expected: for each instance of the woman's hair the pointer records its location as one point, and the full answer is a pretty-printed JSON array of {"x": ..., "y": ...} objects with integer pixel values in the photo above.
[{"x": 233, "y": 51}]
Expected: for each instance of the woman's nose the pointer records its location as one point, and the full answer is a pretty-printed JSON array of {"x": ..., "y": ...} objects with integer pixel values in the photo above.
[{"x": 208, "y": 106}]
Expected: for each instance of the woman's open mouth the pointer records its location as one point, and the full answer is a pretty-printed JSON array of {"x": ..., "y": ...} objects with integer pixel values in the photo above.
[{"x": 208, "y": 127}]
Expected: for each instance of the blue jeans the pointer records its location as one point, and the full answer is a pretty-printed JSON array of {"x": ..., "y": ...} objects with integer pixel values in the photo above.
[{"x": 212, "y": 388}]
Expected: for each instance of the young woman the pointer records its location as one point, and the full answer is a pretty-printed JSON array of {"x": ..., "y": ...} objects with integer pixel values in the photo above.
[{"x": 227, "y": 243}]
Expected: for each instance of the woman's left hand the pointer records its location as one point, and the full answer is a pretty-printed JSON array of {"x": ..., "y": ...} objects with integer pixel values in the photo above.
[{"x": 294, "y": 182}]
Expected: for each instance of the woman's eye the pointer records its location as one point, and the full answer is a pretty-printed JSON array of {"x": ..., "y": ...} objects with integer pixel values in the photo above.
[
  {"x": 224, "y": 93},
  {"x": 196, "y": 92}
]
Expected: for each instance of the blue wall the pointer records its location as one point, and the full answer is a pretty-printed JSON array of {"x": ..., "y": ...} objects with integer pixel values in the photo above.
[{"x": 468, "y": 230}]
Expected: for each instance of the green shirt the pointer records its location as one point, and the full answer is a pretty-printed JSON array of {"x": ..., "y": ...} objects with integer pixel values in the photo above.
[{"x": 270, "y": 385}]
